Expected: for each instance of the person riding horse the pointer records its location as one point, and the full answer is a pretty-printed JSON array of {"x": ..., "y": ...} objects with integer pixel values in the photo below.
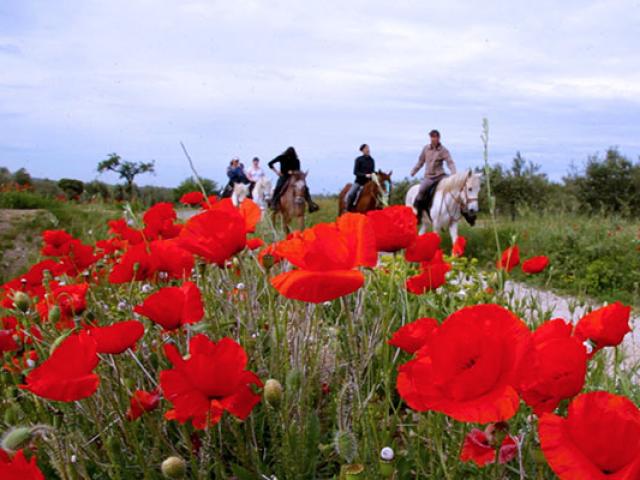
[
  {"x": 235, "y": 172},
  {"x": 254, "y": 174},
  {"x": 289, "y": 163},
  {"x": 363, "y": 169},
  {"x": 433, "y": 157}
]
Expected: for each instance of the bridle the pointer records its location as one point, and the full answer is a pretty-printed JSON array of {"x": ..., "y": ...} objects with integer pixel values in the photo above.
[
  {"x": 382, "y": 197},
  {"x": 462, "y": 200}
]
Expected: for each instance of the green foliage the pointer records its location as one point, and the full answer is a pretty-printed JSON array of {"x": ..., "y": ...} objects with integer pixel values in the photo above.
[
  {"x": 71, "y": 187},
  {"x": 190, "y": 185},
  {"x": 22, "y": 177},
  {"x": 399, "y": 191},
  {"x": 610, "y": 184}
]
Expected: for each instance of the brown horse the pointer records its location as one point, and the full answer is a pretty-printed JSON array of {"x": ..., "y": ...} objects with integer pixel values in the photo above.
[
  {"x": 292, "y": 203},
  {"x": 373, "y": 195}
]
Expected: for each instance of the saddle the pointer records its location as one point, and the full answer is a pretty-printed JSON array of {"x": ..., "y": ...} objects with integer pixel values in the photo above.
[
  {"x": 427, "y": 201},
  {"x": 356, "y": 197}
]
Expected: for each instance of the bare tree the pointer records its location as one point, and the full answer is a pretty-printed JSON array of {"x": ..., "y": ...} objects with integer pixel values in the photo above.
[{"x": 126, "y": 170}]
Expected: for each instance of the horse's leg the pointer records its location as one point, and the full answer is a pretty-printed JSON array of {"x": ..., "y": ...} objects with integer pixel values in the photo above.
[
  {"x": 301, "y": 217},
  {"x": 453, "y": 230}
]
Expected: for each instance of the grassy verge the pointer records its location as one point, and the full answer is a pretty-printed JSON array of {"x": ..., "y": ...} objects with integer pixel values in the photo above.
[{"x": 593, "y": 256}]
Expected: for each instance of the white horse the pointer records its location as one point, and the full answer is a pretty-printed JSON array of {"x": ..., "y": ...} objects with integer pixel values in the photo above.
[
  {"x": 455, "y": 196},
  {"x": 262, "y": 192},
  {"x": 240, "y": 192}
]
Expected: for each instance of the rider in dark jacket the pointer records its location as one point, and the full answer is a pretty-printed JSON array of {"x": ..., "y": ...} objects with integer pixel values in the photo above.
[
  {"x": 363, "y": 169},
  {"x": 289, "y": 163}
]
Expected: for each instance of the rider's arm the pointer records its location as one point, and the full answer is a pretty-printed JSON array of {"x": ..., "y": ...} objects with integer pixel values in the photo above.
[
  {"x": 450, "y": 163},
  {"x": 418, "y": 166},
  {"x": 273, "y": 162}
]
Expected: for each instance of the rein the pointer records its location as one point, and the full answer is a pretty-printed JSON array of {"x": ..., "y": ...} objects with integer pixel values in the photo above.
[
  {"x": 381, "y": 196},
  {"x": 458, "y": 199}
]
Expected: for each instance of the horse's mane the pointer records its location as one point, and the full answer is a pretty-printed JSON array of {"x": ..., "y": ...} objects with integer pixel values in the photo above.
[{"x": 454, "y": 182}]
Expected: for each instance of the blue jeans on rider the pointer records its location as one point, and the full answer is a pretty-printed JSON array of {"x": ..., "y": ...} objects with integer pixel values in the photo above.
[{"x": 351, "y": 195}]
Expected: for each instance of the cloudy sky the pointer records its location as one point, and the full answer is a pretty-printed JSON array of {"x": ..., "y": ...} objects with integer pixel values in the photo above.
[{"x": 80, "y": 79}]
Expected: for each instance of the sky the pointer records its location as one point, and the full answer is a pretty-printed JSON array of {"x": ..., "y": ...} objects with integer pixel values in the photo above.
[{"x": 80, "y": 79}]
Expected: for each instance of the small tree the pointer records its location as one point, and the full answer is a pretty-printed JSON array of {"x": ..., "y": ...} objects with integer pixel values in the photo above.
[
  {"x": 71, "y": 187},
  {"x": 189, "y": 185},
  {"x": 22, "y": 178},
  {"x": 126, "y": 170}
]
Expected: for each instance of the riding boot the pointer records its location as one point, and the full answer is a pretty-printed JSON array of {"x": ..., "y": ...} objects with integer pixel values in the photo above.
[{"x": 313, "y": 206}]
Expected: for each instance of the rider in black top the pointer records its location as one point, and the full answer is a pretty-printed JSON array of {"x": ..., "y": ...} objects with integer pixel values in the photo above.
[
  {"x": 363, "y": 169},
  {"x": 289, "y": 163}
]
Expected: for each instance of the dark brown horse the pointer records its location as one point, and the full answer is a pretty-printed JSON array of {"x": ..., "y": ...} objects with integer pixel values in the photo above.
[
  {"x": 292, "y": 203},
  {"x": 373, "y": 195}
]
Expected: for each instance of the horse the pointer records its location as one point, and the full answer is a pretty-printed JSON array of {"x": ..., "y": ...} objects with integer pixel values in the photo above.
[
  {"x": 292, "y": 202},
  {"x": 455, "y": 196},
  {"x": 262, "y": 192},
  {"x": 239, "y": 193},
  {"x": 374, "y": 195}
]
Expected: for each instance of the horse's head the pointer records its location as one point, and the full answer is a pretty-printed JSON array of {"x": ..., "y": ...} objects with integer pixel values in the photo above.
[
  {"x": 469, "y": 195},
  {"x": 383, "y": 182},
  {"x": 298, "y": 185}
]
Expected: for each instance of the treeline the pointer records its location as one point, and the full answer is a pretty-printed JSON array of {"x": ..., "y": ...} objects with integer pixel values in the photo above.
[
  {"x": 16, "y": 187},
  {"x": 608, "y": 184}
]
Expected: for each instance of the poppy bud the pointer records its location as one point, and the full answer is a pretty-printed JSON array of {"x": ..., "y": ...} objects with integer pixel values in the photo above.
[
  {"x": 273, "y": 392},
  {"x": 268, "y": 261},
  {"x": 21, "y": 301},
  {"x": 15, "y": 439},
  {"x": 174, "y": 467},
  {"x": 54, "y": 314},
  {"x": 386, "y": 462},
  {"x": 352, "y": 472}
]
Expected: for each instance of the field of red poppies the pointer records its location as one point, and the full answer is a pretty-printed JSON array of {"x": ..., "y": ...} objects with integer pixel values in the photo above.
[{"x": 215, "y": 348}]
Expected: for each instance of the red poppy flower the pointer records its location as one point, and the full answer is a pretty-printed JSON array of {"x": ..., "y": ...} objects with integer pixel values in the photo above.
[
  {"x": 192, "y": 198},
  {"x": 510, "y": 258},
  {"x": 599, "y": 439},
  {"x": 394, "y": 227},
  {"x": 19, "y": 468},
  {"x": 326, "y": 256},
  {"x": 141, "y": 402},
  {"x": 116, "y": 338},
  {"x": 554, "y": 368},
  {"x": 72, "y": 299},
  {"x": 79, "y": 258},
  {"x": 159, "y": 222},
  {"x": 254, "y": 243},
  {"x": 170, "y": 259},
  {"x": 459, "y": 246},
  {"x": 606, "y": 326},
  {"x": 477, "y": 448},
  {"x": 216, "y": 234},
  {"x": 432, "y": 276},
  {"x": 423, "y": 248},
  {"x": 173, "y": 307},
  {"x": 251, "y": 213},
  {"x": 67, "y": 375},
  {"x": 56, "y": 243},
  {"x": 412, "y": 336},
  {"x": 211, "y": 380},
  {"x": 535, "y": 264},
  {"x": 125, "y": 232},
  {"x": 31, "y": 282},
  {"x": 8, "y": 342},
  {"x": 135, "y": 264},
  {"x": 469, "y": 367}
]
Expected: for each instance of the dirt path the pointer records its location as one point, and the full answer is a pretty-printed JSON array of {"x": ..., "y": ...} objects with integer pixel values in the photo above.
[
  {"x": 569, "y": 308},
  {"x": 20, "y": 238}
]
